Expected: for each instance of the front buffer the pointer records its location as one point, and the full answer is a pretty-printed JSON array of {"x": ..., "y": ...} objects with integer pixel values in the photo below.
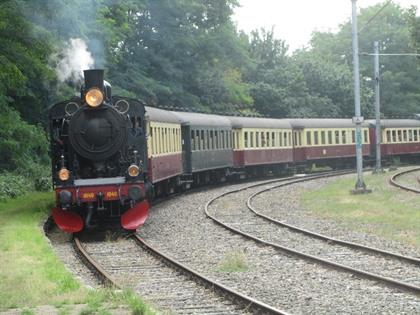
[{"x": 77, "y": 206}]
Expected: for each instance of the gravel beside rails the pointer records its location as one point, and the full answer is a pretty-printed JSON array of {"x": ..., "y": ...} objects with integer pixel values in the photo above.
[
  {"x": 168, "y": 290},
  {"x": 180, "y": 228},
  {"x": 241, "y": 218}
]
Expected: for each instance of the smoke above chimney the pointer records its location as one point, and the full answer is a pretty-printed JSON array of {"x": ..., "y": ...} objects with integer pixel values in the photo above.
[{"x": 75, "y": 58}]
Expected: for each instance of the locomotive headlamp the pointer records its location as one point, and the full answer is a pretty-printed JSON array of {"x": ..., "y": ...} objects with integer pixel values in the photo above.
[
  {"x": 133, "y": 170},
  {"x": 64, "y": 174},
  {"x": 94, "y": 97}
]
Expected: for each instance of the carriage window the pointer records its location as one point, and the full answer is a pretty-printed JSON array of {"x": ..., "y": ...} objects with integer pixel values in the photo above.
[
  {"x": 157, "y": 140},
  {"x": 222, "y": 136},
  {"x": 410, "y": 135},
  {"x": 263, "y": 139},
  {"x": 330, "y": 137},
  {"x": 415, "y": 135},
  {"x": 161, "y": 140},
  {"x": 280, "y": 140},
  {"x": 290, "y": 138},
  {"x": 237, "y": 140},
  {"x": 174, "y": 139},
  {"x": 286, "y": 143},
  {"x": 160, "y": 143},
  {"x": 211, "y": 140},
  {"x": 166, "y": 141},
  {"x": 399, "y": 133},
  {"x": 337, "y": 137},
  {"x": 315, "y": 137},
  {"x": 197, "y": 140},
  {"x": 404, "y": 135},
  {"x": 202, "y": 140},
  {"x": 168, "y": 144},
  {"x": 267, "y": 138},
  {"x": 343, "y": 137},
  {"x": 273, "y": 139},
  {"x": 246, "y": 139},
  {"x": 192, "y": 141},
  {"x": 388, "y": 136},
  {"x": 308, "y": 138},
  {"x": 257, "y": 139},
  {"x": 366, "y": 138},
  {"x": 153, "y": 138},
  {"x": 394, "y": 135},
  {"x": 300, "y": 138},
  {"x": 252, "y": 139},
  {"x": 295, "y": 138},
  {"x": 322, "y": 137},
  {"x": 228, "y": 140}
]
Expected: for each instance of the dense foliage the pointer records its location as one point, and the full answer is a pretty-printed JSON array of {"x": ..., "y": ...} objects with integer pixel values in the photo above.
[{"x": 189, "y": 54}]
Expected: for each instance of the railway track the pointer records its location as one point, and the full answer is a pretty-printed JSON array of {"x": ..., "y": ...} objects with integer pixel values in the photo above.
[
  {"x": 390, "y": 269},
  {"x": 162, "y": 280},
  {"x": 396, "y": 177}
]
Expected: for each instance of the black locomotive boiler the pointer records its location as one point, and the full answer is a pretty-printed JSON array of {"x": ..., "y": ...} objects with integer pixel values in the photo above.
[{"x": 98, "y": 145}]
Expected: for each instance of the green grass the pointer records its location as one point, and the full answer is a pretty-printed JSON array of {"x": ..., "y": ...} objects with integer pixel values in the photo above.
[
  {"x": 387, "y": 211},
  {"x": 233, "y": 262},
  {"x": 32, "y": 275}
]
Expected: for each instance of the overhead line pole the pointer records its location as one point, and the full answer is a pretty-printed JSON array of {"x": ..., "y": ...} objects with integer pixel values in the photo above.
[
  {"x": 378, "y": 166},
  {"x": 360, "y": 186}
]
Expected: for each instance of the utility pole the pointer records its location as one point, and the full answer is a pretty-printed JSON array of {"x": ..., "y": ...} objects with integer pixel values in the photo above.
[
  {"x": 360, "y": 187},
  {"x": 378, "y": 166}
]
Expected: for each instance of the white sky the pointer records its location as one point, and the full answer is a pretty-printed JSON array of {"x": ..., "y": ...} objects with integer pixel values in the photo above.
[{"x": 295, "y": 20}]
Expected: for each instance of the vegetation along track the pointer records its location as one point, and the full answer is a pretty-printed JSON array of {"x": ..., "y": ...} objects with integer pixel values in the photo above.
[
  {"x": 158, "y": 278},
  {"x": 389, "y": 268},
  {"x": 395, "y": 180}
]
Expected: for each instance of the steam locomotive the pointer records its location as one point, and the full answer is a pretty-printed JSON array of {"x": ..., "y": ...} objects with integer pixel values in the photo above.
[
  {"x": 98, "y": 145},
  {"x": 111, "y": 155}
]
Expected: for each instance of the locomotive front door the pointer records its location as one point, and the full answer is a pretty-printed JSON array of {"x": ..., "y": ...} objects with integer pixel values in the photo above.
[{"x": 186, "y": 148}]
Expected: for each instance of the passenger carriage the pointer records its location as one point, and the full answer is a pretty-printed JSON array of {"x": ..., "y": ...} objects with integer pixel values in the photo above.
[
  {"x": 163, "y": 148},
  {"x": 399, "y": 137},
  {"x": 261, "y": 141},
  {"x": 206, "y": 146},
  {"x": 321, "y": 140}
]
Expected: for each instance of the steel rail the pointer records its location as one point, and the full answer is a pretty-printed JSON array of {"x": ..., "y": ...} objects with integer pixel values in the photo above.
[
  {"x": 409, "y": 259},
  {"x": 251, "y": 302},
  {"x": 368, "y": 275},
  {"x": 105, "y": 277},
  {"x": 393, "y": 180}
]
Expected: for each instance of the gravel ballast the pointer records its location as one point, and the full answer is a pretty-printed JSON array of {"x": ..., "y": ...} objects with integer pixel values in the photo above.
[{"x": 180, "y": 228}]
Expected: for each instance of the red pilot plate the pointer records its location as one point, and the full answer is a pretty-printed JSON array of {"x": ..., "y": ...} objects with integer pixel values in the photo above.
[
  {"x": 67, "y": 221},
  {"x": 136, "y": 216}
]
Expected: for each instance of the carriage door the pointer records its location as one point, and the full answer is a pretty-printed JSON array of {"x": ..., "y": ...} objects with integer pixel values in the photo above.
[{"x": 186, "y": 148}]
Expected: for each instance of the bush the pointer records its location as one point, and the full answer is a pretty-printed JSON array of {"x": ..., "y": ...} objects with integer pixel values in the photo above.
[
  {"x": 12, "y": 186},
  {"x": 21, "y": 145}
]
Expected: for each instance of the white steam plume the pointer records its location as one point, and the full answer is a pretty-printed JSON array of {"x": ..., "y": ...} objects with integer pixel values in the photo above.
[{"x": 75, "y": 59}]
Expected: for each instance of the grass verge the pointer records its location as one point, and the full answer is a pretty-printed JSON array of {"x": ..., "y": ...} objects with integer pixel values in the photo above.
[
  {"x": 32, "y": 275},
  {"x": 233, "y": 262},
  {"x": 387, "y": 211}
]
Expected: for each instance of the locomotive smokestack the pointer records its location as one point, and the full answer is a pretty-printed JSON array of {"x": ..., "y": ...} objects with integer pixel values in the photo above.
[{"x": 94, "y": 78}]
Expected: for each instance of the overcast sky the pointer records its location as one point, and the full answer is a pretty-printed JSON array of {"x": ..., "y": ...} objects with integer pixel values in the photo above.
[{"x": 295, "y": 20}]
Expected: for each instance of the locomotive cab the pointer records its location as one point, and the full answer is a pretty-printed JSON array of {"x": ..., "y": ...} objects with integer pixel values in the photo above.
[{"x": 99, "y": 158}]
